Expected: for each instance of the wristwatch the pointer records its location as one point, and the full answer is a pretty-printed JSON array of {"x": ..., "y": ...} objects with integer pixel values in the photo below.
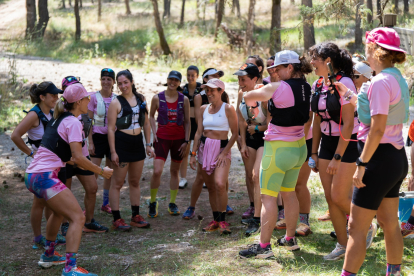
[
  {"x": 337, "y": 157},
  {"x": 148, "y": 144},
  {"x": 360, "y": 163},
  {"x": 256, "y": 129},
  {"x": 193, "y": 153}
]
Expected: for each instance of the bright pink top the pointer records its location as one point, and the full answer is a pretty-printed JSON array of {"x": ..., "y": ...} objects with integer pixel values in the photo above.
[
  {"x": 322, "y": 105},
  {"x": 93, "y": 106},
  {"x": 85, "y": 151},
  {"x": 283, "y": 98},
  {"x": 383, "y": 92},
  {"x": 70, "y": 129}
]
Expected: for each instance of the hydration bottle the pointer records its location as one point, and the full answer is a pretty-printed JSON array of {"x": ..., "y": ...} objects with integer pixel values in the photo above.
[{"x": 311, "y": 163}]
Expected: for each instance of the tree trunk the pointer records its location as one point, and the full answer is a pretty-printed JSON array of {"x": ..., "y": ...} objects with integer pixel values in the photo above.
[
  {"x": 219, "y": 18},
  {"x": 80, "y": 4},
  {"x": 308, "y": 29},
  {"x": 379, "y": 7},
  {"x": 160, "y": 30},
  {"x": 292, "y": 1},
  {"x": 30, "y": 17},
  {"x": 406, "y": 7},
  {"x": 63, "y": 4},
  {"x": 128, "y": 10},
  {"x": 182, "y": 14},
  {"x": 358, "y": 30},
  {"x": 236, "y": 6},
  {"x": 99, "y": 10},
  {"x": 275, "y": 39},
  {"x": 248, "y": 41},
  {"x": 396, "y": 6},
  {"x": 198, "y": 9},
  {"x": 43, "y": 18},
  {"x": 70, "y": 3},
  {"x": 369, "y": 16},
  {"x": 167, "y": 9},
  {"x": 78, "y": 21}
]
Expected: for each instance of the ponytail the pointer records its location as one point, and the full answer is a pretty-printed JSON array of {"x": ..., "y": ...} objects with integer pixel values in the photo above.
[
  {"x": 224, "y": 96},
  {"x": 341, "y": 59},
  {"x": 36, "y": 90},
  {"x": 61, "y": 106},
  {"x": 259, "y": 62},
  {"x": 345, "y": 63},
  {"x": 302, "y": 68}
]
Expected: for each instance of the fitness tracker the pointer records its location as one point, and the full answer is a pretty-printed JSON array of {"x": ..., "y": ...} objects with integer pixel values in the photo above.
[
  {"x": 148, "y": 144},
  {"x": 337, "y": 157},
  {"x": 360, "y": 163},
  {"x": 256, "y": 129}
]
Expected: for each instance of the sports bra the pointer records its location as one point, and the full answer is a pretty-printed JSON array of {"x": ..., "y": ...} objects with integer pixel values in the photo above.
[
  {"x": 216, "y": 121},
  {"x": 135, "y": 117}
]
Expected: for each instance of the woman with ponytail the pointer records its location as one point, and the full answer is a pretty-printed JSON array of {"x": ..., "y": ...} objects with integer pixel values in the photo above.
[
  {"x": 44, "y": 96},
  {"x": 127, "y": 117},
  {"x": 62, "y": 142}
]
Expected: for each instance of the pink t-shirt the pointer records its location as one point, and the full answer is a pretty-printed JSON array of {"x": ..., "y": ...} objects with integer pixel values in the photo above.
[
  {"x": 310, "y": 135},
  {"x": 93, "y": 106},
  {"x": 70, "y": 129},
  {"x": 383, "y": 92},
  {"x": 322, "y": 105},
  {"x": 85, "y": 151},
  {"x": 283, "y": 98}
]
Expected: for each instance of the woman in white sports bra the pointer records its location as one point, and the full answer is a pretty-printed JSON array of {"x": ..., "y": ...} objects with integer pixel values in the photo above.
[{"x": 214, "y": 150}]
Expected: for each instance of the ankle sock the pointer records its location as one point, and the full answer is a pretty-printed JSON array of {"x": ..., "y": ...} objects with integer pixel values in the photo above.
[
  {"x": 393, "y": 270},
  {"x": 251, "y": 204},
  {"x": 288, "y": 238},
  {"x": 70, "y": 261},
  {"x": 173, "y": 195},
  {"x": 105, "y": 197},
  {"x": 216, "y": 216},
  {"x": 264, "y": 245},
  {"x": 135, "y": 210},
  {"x": 50, "y": 248},
  {"x": 408, "y": 226},
  {"x": 346, "y": 273},
  {"x": 116, "y": 215},
  {"x": 38, "y": 238},
  {"x": 304, "y": 218},
  {"x": 411, "y": 220},
  {"x": 153, "y": 195},
  {"x": 223, "y": 216}
]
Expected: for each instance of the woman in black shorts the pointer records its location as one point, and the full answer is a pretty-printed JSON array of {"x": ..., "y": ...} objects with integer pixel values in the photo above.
[{"x": 127, "y": 116}]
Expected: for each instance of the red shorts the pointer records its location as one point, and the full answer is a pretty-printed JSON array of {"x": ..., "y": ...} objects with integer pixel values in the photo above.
[{"x": 163, "y": 146}]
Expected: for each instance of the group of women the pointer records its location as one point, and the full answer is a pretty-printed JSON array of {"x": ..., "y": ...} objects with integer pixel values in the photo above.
[{"x": 280, "y": 124}]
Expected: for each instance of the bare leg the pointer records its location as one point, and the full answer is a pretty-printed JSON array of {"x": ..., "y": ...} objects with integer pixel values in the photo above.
[
  {"x": 184, "y": 163},
  {"x": 256, "y": 181},
  {"x": 134, "y": 175},
  {"x": 268, "y": 218},
  {"x": 108, "y": 163},
  {"x": 248, "y": 167},
  {"x": 221, "y": 175},
  {"x": 211, "y": 187},
  {"x": 157, "y": 172},
  {"x": 91, "y": 187},
  {"x": 118, "y": 178},
  {"x": 174, "y": 175},
  {"x": 196, "y": 188},
  {"x": 302, "y": 191},
  {"x": 291, "y": 212},
  {"x": 36, "y": 215}
]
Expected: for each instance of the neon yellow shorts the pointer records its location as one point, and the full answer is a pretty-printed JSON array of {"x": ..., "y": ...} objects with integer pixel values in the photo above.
[{"x": 281, "y": 163}]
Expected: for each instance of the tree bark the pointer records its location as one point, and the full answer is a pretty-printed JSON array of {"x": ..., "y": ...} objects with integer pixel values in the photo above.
[
  {"x": 396, "y": 10},
  {"x": 167, "y": 9},
  {"x": 358, "y": 30},
  {"x": 128, "y": 9},
  {"x": 308, "y": 29},
  {"x": 80, "y": 4},
  {"x": 99, "y": 10},
  {"x": 43, "y": 18},
  {"x": 182, "y": 14},
  {"x": 219, "y": 18},
  {"x": 164, "y": 45},
  {"x": 236, "y": 6},
  {"x": 406, "y": 10},
  {"x": 63, "y": 4},
  {"x": 70, "y": 3},
  {"x": 248, "y": 41},
  {"x": 78, "y": 21},
  {"x": 379, "y": 7},
  {"x": 369, "y": 16},
  {"x": 275, "y": 39},
  {"x": 30, "y": 18}
]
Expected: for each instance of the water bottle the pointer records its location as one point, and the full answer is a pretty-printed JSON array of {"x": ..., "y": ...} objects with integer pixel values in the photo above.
[{"x": 311, "y": 163}]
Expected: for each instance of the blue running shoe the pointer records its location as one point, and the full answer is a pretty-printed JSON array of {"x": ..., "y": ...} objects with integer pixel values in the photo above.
[
  {"x": 40, "y": 244},
  {"x": 229, "y": 210},
  {"x": 64, "y": 228},
  {"x": 60, "y": 240},
  {"x": 153, "y": 209},
  {"x": 173, "y": 209},
  {"x": 78, "y": 271},
  {"x": 56, "y": 259},
  {"x": 190, "y": 213}
]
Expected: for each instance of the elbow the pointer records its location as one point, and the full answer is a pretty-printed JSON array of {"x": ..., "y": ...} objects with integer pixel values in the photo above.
[
  {"x": 378, "y": 133},
  {"x": 14, "y": 137}
]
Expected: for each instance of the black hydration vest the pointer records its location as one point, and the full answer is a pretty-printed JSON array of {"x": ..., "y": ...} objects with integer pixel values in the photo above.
[
  {"x": 298, "y": 114},
  {"x": 127, "y": 109},
  {"x": 53, "y": 142},
  {"x": 42, "y": 119},
  {"x": 187, "y": 93}
]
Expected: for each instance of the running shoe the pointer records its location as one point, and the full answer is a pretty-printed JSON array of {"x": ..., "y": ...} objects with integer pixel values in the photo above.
[
  {"x": 173, "y": 209},
  {"x": 77, "y": 271},
  {"x": 281, "y": 224},
  {"x": 256, "y": 251},
  {"x": 252, "y": 227},
  {"x": 190, "y": 213},
  {"x": 106, "y": 209},
  {"x": 371, "y": 234},
  {"x": 40, "y": 244},
  {"x": 336, "y": 254},
  {"x": 94, "y": 227},
  {"x": 212, "y": 226},
  {"x": 224, "y": 228},
  {"x": 60, "y": 240},
  {"x": 246, "y": 221},
  {"x": 229, "y": 210},
  {"x": 204, "y": 186},
  {"x": 249, "y": 213},
  {"x": 138, "y": 221},
  {"x": 56, "y": 259},
  {"x": 291, "y": 245},
  {"x": 153, "y": 209},
  {"x": 120, "y": 225},
  {"x": 64, "y": 228},
  {"x": 183, "y": 183},
  {"x": 325, "y": 217},
  {"x": 407, "y": 231},
  {"x": 281, "y": 214},
  {"x": 303, "y": 230}
]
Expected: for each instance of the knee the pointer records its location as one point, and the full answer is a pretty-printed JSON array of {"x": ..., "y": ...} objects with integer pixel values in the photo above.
[
  {"x": 221, "y": 186},
  {"x": 387, "y": 223},
  {"x": 255, "y": 178},
  {"x": 91, "y": 189},
  {"x": 157, "y": 172},
  {"x": 174, "y": 171},
  {"x": 78, "y": 217},
  {"x": 337, "y": 199},
  {"x": 134, "y": 183}
]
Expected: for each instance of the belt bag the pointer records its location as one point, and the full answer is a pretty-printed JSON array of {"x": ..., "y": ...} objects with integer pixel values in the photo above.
[{"x": 124, "y": 122}]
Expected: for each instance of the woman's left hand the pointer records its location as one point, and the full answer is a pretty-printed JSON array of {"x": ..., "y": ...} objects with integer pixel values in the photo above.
[
  {"x": 358, "y": 175},
  {"x": 251, "y": 129},
  {"x": 150, "y": 152},
  {"x": 221, "y": 160},
  {"x": 333, "y": 166},
  {"x": 182, "y": 149}
]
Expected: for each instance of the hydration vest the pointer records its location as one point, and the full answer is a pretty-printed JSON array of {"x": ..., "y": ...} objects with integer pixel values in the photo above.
[
  {"x": 127, "y": 110},
  {"x": 53, "y": 142},
  {"x": 247, "y": 115},
  {"x": 298, "y": 114},
  {"x": 42, "y": 119},
  {"x": 162, "y": 118},
  {"x": 100, "y": 116},
  {"x": 187, "y": 93}
]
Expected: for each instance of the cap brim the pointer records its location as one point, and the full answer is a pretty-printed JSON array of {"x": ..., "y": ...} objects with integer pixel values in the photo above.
[
  {"x": 209, "y": 85},
  {"x": 392, "y": 48},
  {"x": 174, "y": 77},
  {"x": 240, "y": 73}
]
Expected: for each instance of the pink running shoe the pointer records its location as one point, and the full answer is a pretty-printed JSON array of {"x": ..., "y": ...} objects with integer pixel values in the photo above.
[
  {"x": 249, "y": 213},
  {"x": 106, "y": 209}
]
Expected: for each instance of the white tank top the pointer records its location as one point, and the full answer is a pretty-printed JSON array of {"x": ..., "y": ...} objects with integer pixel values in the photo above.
[
  {"x": 216, "y": 121},
  {"x": 135, "y": 117},
  {"x": 36, "y": 133}
]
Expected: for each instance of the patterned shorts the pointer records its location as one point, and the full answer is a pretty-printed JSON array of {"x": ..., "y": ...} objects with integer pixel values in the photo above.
[{"x": 44, "y": 185}]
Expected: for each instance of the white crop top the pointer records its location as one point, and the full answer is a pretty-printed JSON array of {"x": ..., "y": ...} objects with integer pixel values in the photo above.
[
  {"x": 135, "y": 117},
  {"x": 36, "y": 133},
  {"x": 216, "y": 121}
]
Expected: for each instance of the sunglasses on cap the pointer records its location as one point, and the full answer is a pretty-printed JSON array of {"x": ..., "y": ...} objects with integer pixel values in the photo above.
[
  {"x": 89, "y": 97},
  {"x": 107, "y": 70},
  {"x": 70, "y": 79}
]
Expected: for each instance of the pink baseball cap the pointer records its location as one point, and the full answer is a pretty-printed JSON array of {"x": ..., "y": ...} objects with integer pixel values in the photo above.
[
  {"x": 214, "y": 83},
  {"x": 387, "y": 38},
  {"x": 74, "y": 93}
]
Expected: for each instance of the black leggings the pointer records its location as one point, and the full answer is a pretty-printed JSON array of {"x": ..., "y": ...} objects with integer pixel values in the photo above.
[{"x": 383, "y": 176}]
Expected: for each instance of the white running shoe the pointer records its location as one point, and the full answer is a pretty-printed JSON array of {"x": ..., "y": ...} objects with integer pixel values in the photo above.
[
  {"x": 183, "y": 183},
  {"x": 337, "y": 253}
]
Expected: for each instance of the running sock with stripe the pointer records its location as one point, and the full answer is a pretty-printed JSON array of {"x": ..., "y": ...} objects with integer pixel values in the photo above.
[
  {"x": 347, "y": 273},
  {"x": 50, "y": 248},
  {"x": 105, "y": 197},
  {"x": 135, "y": 210},
  {"x": 153, "y": 195},
  {"x": 393, "y": 270},
  {"x": 38, "y": 238},
  {"x": 288, "y": 238},
  {"x": 173, "y": 195},
  {"x": 216, "y": 216},
  {"x": 251, "y": 204},
  {"x": 70, "y": 261},
  {"x": 264, "y": 245},
  {"x": 304, "y": 218},
  {"x": 411, "y": 220},
  {"x": 116, "y": 215}
]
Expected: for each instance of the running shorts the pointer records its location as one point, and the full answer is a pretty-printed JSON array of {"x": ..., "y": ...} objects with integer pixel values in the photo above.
[
  {"x": 329, "y": 145},
  {"x": 101, "y": 144},
  {"x": 164, "y": 146},
  {"x": 309, "y": 148},
  {"x": 44, "y": 185},
  {"x": 255, "y": 141},
  {"x": 280, "y": 166},
  {"x": 72, "y": 170},
  {"x": 130, "y": 148}
]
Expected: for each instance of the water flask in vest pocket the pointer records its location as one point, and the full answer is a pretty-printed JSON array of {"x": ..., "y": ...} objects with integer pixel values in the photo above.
[{"x": 124, "y": 122}]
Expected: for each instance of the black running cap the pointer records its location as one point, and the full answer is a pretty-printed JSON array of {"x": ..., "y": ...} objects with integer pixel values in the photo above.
[
  {"x": 52, "y": 89},
  {"x": 248, "y": 69}
]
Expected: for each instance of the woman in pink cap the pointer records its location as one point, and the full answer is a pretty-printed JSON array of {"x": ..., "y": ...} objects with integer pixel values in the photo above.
[
  {"x": 62, "y": 142},
  {"x": 214, "y": 150},
  {"x": 382, "y": 165}
]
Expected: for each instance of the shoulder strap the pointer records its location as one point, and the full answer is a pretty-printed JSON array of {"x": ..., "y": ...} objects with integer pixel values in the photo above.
[{"x": 126, "y": 107}]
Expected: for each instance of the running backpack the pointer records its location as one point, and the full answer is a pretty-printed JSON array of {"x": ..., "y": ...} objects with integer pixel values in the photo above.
[
  {"x": 42, "y": 119},
  {"x": 100, "y": 116}
]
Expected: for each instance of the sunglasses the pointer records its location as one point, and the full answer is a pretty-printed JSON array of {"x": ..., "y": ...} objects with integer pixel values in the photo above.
[
  {"x": 107, "y": 70},
  {"x": 89, "y": 97},
  {"x": 70, "y": 79},
  {"x": 356, "y": 76}
]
